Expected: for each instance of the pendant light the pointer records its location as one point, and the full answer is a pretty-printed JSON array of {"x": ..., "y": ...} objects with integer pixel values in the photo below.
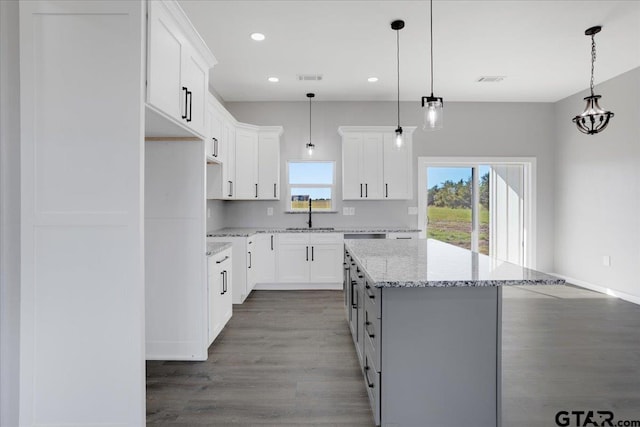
[
  {"x": 432, "y": 105},
  {"x": 593, "y": 119},
  {"x": 397, "y": 26},
  {"x": 310, "y": 146}
]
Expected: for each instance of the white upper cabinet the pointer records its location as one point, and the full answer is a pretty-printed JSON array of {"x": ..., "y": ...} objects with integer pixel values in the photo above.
[
  {"x": 246, "y": 163},
  {"x": 397, "y": 168},
  {"x": 269, "y": 165},
  {"x": 372, "y": 167},
  {"x": 178, "y": 64}
]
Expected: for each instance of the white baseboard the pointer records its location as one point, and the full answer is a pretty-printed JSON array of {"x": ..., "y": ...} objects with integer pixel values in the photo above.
[
  {"x": 297, "y": 286},
  {"x": 602, "y": 289}
]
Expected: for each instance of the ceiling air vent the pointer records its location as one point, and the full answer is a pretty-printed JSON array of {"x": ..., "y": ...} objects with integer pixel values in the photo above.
[
  {"x": 491, "y": 79},
  {"x": 310, "y": 77}
]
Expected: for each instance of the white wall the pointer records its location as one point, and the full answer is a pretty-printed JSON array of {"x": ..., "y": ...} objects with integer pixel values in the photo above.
[
  {"x": 471, "y": 129},
  {"x": 598, "y": 191},
  {"x": 9, "y": 213}
]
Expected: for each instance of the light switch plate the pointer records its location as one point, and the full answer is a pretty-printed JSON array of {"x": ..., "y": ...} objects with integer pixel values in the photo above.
[
  {"x": 606, "y": 261},
  {"x": 413, "y": 210},
  {"x": 269, "y": 211}
]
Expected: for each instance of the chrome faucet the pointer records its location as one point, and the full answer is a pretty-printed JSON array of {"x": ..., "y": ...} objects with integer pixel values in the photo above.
[{"x": 309, "y": 222}]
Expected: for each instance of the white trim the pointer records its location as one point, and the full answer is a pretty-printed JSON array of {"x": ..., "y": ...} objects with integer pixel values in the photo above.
[
  {"x": 598, "y": 288},
  {"x": 530, "y": 195},
  {"x": 297, "y": 286}
]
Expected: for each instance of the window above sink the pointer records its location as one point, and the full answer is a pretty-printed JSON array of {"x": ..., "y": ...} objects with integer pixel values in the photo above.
[{"x": 313, "y": 180}]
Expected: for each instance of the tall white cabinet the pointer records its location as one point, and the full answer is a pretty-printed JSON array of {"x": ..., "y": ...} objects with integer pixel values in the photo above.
[
  {"x": 373, "y": 168},
  {"x": 82, "y": 249}
]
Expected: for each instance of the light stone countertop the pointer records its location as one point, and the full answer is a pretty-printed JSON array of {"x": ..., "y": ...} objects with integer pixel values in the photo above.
[
  {"x": 431, "y": 263},
  {"x": 217, "y": 247},
  {"x": 246, "y": 232}
]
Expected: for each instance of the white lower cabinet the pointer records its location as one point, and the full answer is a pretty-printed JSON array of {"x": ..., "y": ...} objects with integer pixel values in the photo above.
[
  {"x": 242, "y": 274},
  {"x": 265, "y": 257},
  {"x": 220, "y": 273},
  {"x": 310, "y": 257}
]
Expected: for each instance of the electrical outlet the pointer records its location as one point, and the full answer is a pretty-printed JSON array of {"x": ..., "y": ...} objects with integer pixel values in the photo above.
[
  {"x": 606, "y": 261},
  {"x": 345, "y": 211},
  {"x": 269, "y": 211},
  {"x": 352, "y": 211},
  {"x": 413, "y": 210},
  {"x": 208, "y": 212}
]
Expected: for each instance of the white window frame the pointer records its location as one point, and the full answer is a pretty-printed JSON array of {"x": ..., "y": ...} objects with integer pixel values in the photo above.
[
  {"x": 311, "y": 185},
  {"x": 529, "y": 165}
]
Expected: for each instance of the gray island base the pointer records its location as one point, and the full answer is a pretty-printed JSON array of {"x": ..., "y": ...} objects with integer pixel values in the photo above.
[{"x": 426, "y": 322}]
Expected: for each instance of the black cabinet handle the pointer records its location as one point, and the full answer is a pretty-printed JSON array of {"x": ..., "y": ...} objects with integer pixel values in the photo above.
[
  {"x": 230, "y": 188},
  {"x": 186, "y": 95},
  {"x": 223, "y": 260},
  {"x": 366, "y": 329},
  {"x": 272, "y": 242},
  {"x": 360, "y": 190},
  {"x": 250, "y": 260},
  {"x": 222, "y": 274},
  {"x": 366, "y": 374},
  {"x": 226, "y": 281},
  {"x": 307, "y": 253},
  {"x": 366, "y": 190},
  {"x": 256, "y": 189},
  {"x": 386, "y": 190},
  {"x": 215, "y": 147},
  {"x": 274, "y": 190},
  {"x": 311, "y": 253},
  {"x": 190, "y": 96}
]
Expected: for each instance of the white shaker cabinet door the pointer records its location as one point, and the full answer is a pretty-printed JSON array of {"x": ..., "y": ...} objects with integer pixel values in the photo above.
[
  {"x": 195, "y": 77},
  {"x": 372, "y": 165},
  {"x": 397, "y": 168},
  {"x": 269, "y": 166},
  {"x": 352, "y": 184},
  {"x": 326, "y": 263},
  {"x": 164, "y": 63},
  {"x": 293, "y": 263},
  {"x": 246, "y": 185}
]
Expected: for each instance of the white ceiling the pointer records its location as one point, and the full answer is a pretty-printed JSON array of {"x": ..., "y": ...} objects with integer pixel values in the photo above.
[{"x": 539, "y": 45}]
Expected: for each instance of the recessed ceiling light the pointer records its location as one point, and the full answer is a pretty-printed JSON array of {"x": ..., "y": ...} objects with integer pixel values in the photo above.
[
  {"x": 273, "y": 79},
  {"x": 258, "y": 37},
  {"x": 372, "y": 79}
]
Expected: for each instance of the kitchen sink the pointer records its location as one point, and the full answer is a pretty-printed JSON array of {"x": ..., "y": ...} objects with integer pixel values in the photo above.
[{"x": 311, "y": 229}]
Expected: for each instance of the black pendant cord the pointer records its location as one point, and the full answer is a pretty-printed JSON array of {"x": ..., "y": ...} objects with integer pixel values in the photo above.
[
  {"x": 593, "y": 59},
  {"x": 309, "y": 120},
  {"x": 398, "y": 70},
  {"x": 431, "y": 28}
]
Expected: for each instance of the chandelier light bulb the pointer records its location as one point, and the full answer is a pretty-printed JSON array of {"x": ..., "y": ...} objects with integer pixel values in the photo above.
[
  {"x": 433, "y": 113},
  {"x": 310, "y": 148}
]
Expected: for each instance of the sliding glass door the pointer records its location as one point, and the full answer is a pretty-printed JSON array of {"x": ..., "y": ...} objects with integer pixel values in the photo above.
[{"x": 481, "y": 206}]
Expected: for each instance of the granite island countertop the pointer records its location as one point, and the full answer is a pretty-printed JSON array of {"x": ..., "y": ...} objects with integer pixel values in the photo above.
[
  {"x": 431, "y": 263},
  {"x": 250, "y": 231}
]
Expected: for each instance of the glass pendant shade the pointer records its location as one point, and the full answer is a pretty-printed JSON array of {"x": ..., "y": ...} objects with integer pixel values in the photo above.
[
  {"x": 310, "y": 148},
  {"x": 593, "y": 119},
  {"x": 433, "y": 113},
  {"x": 399, "y": 140}
]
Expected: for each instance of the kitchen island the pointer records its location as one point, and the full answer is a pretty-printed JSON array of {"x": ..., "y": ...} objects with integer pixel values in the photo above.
[{"x": 426, "y": 321}]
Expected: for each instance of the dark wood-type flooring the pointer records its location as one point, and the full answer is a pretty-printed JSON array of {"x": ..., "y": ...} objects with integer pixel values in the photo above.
[{"x": 286, "y": 358}]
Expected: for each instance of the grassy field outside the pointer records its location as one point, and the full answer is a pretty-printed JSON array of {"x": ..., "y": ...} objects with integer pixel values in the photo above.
[
  {"x": 315, "y": 204},
  {"x": 454, "y": 226}
]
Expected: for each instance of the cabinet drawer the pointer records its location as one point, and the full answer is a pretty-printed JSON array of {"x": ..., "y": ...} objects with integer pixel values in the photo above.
[
  {"x": 293, "y": 238},
  {"x": 320, "y": 238},
  {"x": 372, "y": 297},
  {"x": 402, "y": 236},
  {"x": 221, "y": 258},
  {"x": 372, "y": 382}
]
